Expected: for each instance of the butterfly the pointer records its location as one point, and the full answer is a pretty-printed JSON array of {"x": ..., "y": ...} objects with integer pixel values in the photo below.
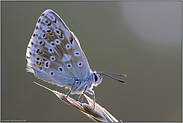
[{"x": 54, "y": 55}]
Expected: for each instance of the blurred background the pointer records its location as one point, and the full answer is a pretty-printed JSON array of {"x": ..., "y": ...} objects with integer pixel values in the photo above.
[{"x": 139, "y": 39}]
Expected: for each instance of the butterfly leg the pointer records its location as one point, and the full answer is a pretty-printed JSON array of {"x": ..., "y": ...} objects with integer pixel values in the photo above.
[
  {"x": 79, "y": 97},
  {"x": 83, "y": 94},
  {"x": 68, "y": 93},
  {"x": 92, "y": 93}
]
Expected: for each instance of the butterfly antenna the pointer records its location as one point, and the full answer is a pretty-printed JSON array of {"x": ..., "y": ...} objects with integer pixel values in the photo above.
[{"x": 106, "y": 74}]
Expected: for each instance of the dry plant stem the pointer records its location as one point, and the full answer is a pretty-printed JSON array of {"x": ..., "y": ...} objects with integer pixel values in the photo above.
[{"x": 98, "y": 114}]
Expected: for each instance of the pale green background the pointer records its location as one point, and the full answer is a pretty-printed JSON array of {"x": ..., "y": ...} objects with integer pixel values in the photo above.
[{"x": 140, "y": 39}]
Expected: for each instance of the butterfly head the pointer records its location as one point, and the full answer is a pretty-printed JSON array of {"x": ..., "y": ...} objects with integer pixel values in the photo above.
[{"x": 96, "y": 78}]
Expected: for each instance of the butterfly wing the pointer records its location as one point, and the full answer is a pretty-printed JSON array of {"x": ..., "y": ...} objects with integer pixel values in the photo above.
[{"x": 54, "y": 53}]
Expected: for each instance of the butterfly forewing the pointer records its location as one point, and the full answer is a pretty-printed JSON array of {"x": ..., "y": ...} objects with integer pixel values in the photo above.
[{"x": 54, "y": 53}]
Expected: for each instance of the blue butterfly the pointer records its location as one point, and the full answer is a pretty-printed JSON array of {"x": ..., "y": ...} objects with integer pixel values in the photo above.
[{"x": 54, "y": 55}]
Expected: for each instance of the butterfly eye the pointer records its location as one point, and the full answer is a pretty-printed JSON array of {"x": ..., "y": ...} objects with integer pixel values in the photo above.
[{"x": 96, "y": 77}]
